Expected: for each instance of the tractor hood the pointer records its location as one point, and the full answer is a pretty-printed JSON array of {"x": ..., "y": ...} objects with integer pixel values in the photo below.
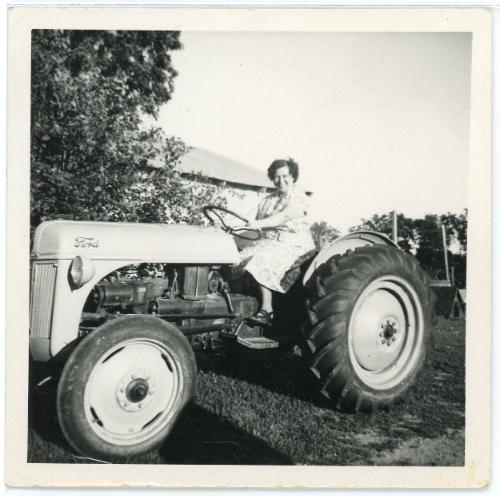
[{"x": 62, "y": 239}]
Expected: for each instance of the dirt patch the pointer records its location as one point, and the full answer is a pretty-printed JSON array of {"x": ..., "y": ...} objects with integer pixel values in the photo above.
[
  {"x": 442, "y": 450},
  {"x": 368, "y": 437}
]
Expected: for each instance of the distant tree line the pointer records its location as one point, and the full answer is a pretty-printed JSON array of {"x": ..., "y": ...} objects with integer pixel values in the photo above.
[{"x": 420, "y": 236}]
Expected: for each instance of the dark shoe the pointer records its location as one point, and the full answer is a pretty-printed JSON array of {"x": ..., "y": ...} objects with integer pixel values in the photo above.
[{"x": 262, "y": 318}]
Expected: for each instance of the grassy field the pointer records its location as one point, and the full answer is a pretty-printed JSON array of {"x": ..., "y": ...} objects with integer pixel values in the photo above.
[{"x": 264, "y": 409}]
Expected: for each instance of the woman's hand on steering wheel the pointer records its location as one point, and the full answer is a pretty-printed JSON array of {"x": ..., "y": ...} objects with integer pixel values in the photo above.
[
  {"x": 254, "y": 224},
  {"x": 247, "y": 232}
]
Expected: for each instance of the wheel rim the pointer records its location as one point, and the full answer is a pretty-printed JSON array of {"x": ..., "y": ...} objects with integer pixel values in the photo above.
[
  {"x": 132, "y": 392},
  {"x": 386, "y": 332}
]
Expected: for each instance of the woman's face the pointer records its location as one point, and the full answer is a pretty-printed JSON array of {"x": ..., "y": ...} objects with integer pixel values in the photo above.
[{"x": 282, "y": 179}]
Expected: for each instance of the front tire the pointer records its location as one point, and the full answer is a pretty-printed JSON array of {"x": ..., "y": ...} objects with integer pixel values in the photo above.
[
  {"x": 371, "y": 310},
  {"x": 124, "y": 386}
]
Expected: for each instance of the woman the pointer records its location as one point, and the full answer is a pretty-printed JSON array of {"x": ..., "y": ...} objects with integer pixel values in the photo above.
[{"x": 281, "y": 217}]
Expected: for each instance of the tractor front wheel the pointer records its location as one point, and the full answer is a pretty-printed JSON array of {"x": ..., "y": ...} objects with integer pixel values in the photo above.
[
  {"x": 371, "y": 310},
  {"x": 124, "y": 386}
]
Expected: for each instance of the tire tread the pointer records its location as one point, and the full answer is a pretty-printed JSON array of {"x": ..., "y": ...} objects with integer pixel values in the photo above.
[{"x": 341, "y": 279}]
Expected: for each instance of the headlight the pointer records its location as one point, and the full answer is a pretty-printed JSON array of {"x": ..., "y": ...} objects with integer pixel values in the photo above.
[{"x": 81, "y": 271}]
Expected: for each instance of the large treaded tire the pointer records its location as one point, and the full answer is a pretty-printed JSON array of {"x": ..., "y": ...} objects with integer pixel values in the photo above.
[
  {"x": 361, "y": 303},
  {"x": 124, "y": 386}
]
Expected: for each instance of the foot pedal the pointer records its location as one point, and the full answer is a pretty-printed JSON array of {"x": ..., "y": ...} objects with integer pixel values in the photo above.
[{"x": 258, "y": 342}]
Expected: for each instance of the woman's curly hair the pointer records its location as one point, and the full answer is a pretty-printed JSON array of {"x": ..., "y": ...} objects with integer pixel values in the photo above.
[{"x": 293, "y": 168}]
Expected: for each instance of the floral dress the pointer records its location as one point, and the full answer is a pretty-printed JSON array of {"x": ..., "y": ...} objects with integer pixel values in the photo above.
[{"x": 269, "y": 259}]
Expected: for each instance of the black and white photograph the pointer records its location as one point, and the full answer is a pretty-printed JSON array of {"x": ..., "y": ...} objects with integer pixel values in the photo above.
[{"x": 250, "y": 247}]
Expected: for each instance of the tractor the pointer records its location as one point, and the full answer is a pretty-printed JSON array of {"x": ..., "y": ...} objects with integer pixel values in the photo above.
[{"x": 122, "y": 307}]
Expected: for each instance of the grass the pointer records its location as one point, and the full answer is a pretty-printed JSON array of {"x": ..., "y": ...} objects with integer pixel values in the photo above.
[{"x": 263, "y": 408}]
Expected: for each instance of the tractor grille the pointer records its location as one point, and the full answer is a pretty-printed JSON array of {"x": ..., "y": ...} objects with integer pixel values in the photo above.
[{"x": 42, "y": 298}]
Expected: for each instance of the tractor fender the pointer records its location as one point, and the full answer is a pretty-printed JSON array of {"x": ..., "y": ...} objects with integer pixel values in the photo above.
[{"x": 348, "y": 242}]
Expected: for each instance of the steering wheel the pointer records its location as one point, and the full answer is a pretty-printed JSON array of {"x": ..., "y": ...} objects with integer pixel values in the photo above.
[{"x": 212, "y": 210}]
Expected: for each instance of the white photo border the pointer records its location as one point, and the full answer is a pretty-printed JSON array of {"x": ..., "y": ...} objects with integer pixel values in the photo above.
[{"x": 476, "y": 471}]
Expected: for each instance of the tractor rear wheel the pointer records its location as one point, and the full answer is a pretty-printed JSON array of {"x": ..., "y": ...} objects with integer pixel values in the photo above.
[{"x": 371, "y": 314}]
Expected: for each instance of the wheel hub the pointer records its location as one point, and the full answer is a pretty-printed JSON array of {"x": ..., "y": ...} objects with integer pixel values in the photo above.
[
  {"x": 135, "y": 390},
  {"x": 390, "y": 329}
]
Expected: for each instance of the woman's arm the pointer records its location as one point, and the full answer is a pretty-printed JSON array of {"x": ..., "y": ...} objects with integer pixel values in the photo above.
[{"x": 290, "y": 212}]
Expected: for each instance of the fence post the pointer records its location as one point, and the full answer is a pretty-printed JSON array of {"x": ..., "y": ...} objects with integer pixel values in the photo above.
[
  {"x": 394, "y": 226},
  {"x": 443, "y": 229}
]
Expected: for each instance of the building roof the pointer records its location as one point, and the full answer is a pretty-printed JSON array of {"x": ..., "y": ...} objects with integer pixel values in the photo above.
[{"x": 222, "y": 168}]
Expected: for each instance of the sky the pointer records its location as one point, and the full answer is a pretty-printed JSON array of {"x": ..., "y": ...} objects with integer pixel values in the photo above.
[{"x": 376, "y": 121}]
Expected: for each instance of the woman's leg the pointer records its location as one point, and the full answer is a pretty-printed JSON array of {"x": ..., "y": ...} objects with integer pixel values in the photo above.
[
  {"x": 264, "y": 316},
  {"x": 267, "y": 299}
]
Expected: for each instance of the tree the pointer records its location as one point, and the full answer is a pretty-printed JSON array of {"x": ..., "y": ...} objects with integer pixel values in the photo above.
[
  {"x": 456, "y": 226},
  {"x": 90, "y": 152},
  {"x": 430, "y": 252},
  {"x": 323, "y": 233}
]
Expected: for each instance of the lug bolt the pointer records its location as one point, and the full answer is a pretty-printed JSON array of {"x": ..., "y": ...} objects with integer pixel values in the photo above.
[
  {"x": 388, "y": 343},
  {"x": 383, "y": 341},
  {"x": 140, "y": 405},
  {"x": 381, "y": 334},
  {"x": 393, "y": 339}
]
